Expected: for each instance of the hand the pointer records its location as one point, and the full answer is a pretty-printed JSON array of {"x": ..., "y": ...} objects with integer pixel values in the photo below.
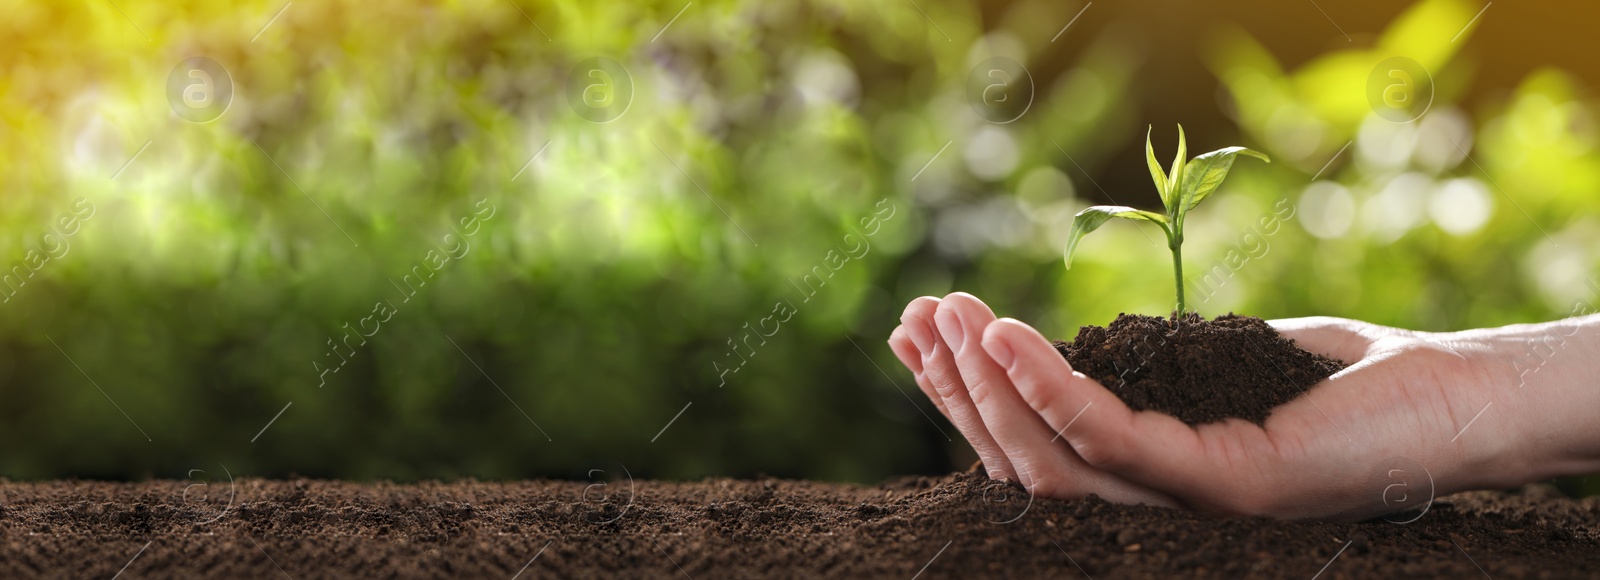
[
  {"x": 939, "y": 341},
  {"x": 1455, "y": 404}
]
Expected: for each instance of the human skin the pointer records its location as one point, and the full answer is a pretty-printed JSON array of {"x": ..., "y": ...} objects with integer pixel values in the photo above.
[{"x": 1477, "y": 409}]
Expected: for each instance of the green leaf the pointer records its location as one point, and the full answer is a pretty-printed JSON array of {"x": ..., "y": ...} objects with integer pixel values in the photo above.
[
  {"x": 1206, "y": 172},
  {"x": 1156, "y": 175},
  {"x": 1175, "y": 177},
  {"x": 1092, "y": 218}
]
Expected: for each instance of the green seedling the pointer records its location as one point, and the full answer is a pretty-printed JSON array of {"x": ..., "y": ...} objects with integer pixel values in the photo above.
[{"x": 1184, "y": 188}]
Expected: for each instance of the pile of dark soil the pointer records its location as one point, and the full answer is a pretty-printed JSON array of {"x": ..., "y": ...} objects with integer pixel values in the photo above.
[
  {"x": 1198, "y": 370},
  {"x": 957, "y": 526}
]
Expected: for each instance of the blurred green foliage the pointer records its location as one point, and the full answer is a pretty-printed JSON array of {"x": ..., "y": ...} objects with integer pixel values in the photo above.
[{"x": 625, "y": 261}]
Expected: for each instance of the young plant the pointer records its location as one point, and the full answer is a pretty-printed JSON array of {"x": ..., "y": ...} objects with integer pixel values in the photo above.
[{"x": 1184, "y": 188}]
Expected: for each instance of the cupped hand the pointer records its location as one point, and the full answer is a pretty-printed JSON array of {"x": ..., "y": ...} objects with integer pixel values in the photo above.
[
  {"x": 1348, "y": 449},
  {"x": 939, "y": 341}
]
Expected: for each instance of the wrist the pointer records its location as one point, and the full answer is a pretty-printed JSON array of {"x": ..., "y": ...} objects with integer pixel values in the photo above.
[{"x": 1542, "y": 379}]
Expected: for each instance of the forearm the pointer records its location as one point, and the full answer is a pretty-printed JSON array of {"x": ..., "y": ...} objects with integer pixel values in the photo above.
[{"x": 1546, "y": 383}]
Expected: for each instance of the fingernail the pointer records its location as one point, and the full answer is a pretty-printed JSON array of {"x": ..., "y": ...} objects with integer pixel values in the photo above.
[
  {"x": 920, "y": 335},
  {"x": 1000, "y": 351},
  {"x": 950, "y": 327},
  {"x": 896, "y": 340}
]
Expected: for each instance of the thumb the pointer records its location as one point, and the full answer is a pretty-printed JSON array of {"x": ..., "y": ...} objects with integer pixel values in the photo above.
[{"x": 1339, "y": 338}]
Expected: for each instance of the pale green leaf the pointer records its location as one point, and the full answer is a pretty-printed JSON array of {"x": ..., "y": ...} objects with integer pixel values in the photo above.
[
  {"x": 1206, "y": 172},
  {"x": 1092, "y": 218},
  {"x": 1175, "y": 177},
  {"x": 1156, "y": 175}
]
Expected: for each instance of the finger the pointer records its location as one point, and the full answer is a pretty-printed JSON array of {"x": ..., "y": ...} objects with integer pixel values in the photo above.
[
  {"x": 1333, "y": 337},
  {"x": 939, "y": 367},
  {"x": 1044, "y": 464},
  {"x": 1151, "y": 449},
  {"x": 1019, "y": 431},
  {"x": 906, "y": 351}
]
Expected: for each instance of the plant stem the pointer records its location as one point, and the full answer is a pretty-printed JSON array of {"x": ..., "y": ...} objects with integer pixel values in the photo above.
[{"x": 1176, "y": 243}]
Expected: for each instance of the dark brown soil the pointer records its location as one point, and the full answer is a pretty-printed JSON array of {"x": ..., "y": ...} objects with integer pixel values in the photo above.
[
  {"x": 1198, "y": 370},
  {"x": 957, "y": 526}
]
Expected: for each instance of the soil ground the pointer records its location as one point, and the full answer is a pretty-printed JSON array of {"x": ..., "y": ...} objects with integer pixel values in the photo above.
[
  {"x": 961, "y": 525},
  {"x": 1197, "y": 370}
]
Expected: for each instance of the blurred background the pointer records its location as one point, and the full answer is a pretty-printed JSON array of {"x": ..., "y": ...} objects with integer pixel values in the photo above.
[{"x": 508, "y": 239}]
